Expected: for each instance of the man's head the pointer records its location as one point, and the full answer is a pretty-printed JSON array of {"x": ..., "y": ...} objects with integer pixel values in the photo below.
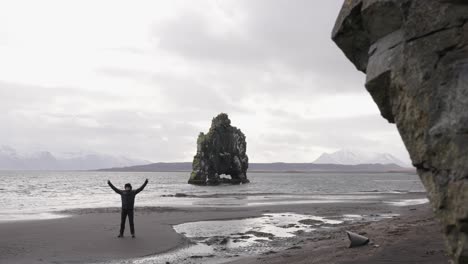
[{"x": 128, "y": 187}]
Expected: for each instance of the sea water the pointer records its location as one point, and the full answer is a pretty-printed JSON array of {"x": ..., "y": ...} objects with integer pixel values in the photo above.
[{"x": 26, "y": 195}]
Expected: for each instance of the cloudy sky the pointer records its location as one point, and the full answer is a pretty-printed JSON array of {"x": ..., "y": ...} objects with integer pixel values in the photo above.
[{"x": 143, "y": 78}]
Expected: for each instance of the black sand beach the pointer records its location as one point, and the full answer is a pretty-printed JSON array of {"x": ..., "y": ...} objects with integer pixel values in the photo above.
[
  {"x": 89, "y": 235},
  {"x": 413, "y": 238}
]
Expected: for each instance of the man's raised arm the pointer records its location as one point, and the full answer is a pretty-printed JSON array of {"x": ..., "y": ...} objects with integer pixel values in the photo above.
[
  {"x": 142, "y": 187},
  {"x": 114, "y": 188}
]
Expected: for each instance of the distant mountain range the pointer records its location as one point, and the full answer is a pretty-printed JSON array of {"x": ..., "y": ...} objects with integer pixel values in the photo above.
[
  {"x": 268, "y": 167},
  {"x": 10, "y": 159},
  {"x": 354, "y": 157},
  {"x": 339, "y": 161},
  {"x": 343, "y": 160}
]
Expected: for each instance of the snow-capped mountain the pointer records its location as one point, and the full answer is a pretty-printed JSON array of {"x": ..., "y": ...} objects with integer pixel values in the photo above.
[
  {"x": 354, "y": 157},
  {"x": 10, "y": 159}
]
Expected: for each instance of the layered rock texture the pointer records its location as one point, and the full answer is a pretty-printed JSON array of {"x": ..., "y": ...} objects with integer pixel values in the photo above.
[
  {"x": 221, "y": 151},
  {"x": 415, "y": 56}
]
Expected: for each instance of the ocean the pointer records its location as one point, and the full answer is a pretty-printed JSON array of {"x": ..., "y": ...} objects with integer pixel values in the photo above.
[{"x": 28, "y": 195}]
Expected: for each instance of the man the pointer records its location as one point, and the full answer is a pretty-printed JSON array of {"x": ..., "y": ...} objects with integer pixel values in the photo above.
[{"x": 128, "y": 200}]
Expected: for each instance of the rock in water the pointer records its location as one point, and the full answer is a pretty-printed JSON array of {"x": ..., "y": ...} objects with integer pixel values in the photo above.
[
  {"x": 221, "y": 151},
  {"x": 415, "y": 56}
]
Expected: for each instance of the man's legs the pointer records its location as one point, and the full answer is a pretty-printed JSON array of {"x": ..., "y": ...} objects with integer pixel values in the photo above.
[
  {"x": 130, "y": 219},
  {"x": 122, "y": 221}
]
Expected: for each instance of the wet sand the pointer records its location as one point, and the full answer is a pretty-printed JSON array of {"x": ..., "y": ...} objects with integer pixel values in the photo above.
[
  {"x": 90, "y": 235},
  {"x": 413, "y": 238}
]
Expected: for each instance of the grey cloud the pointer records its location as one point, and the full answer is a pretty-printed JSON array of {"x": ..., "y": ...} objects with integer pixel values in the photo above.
[
  {"x": 21, "y": 96},
  {"x": 193, "y": 96},
  {"x": 369, "y": 132},
  {"x": 278, "y": 51},
  {"x": 171, "y": 136},
  {"x": 30, "y": 120},
  {"x": 275, "y": 32}
]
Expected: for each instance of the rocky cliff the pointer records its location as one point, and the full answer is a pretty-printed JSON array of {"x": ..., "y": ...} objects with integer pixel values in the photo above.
[
  {"x": 221, "y": 151},
  {"x": 415, "y": 56}
]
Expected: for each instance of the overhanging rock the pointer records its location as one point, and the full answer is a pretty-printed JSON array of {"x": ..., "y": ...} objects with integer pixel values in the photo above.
[{"x": 415, "y": 56}]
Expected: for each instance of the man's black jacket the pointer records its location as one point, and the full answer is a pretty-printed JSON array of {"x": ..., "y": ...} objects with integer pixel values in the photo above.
[{"x": 128, "y": 197}]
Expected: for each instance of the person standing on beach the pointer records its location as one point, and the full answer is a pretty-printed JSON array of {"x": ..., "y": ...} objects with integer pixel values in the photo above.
[{"x": 128, "y": 201}]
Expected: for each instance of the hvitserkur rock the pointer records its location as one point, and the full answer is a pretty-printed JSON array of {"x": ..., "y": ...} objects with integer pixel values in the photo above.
[
  {"x": 415, "y": 56},
  {"x": 221, "y": 151}
]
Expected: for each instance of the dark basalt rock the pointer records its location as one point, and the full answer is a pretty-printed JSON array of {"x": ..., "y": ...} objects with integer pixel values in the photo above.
[
  {"x": 415, "y": 56},
  {"x": 221, "y": 151}
]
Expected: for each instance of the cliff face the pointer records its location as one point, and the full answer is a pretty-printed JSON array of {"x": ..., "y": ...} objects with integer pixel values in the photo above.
[
  {"x": 415, "y": 56},
  {"x": 221, "y": 151}
]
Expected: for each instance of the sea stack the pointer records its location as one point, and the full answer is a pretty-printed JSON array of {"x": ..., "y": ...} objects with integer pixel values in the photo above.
[
  {"x": 415, "y": 56},
  {"x": 221, "y": 151}
]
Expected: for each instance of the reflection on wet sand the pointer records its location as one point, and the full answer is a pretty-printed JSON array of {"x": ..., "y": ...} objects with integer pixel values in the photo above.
[{"x": 223, "y": 241}]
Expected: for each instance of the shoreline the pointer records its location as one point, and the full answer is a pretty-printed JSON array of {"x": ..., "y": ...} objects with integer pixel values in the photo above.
[
  {"x": 89, "y": 235},
  {"x": 231, "y": 200},
  {"x": 411, "y": 238},
  {"x": 404, "y": 170}
]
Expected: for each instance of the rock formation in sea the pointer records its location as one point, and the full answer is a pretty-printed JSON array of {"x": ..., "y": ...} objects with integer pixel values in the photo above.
[
  {"x": 221, "y": 151},
  {"x": 415, "y": 56}
]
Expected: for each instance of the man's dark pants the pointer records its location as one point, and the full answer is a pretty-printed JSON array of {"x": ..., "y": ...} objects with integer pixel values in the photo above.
[{"x": 126, "y": 212}]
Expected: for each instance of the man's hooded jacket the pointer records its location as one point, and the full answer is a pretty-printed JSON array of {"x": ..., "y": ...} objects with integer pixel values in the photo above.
[{"x": 128, "y": 197}]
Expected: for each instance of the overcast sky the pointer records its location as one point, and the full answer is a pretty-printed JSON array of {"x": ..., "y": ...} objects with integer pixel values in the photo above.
[{"x": 143, "y": 78}]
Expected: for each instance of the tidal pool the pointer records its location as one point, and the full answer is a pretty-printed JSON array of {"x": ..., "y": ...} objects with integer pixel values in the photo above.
[{"x": 225, "y": 240}]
